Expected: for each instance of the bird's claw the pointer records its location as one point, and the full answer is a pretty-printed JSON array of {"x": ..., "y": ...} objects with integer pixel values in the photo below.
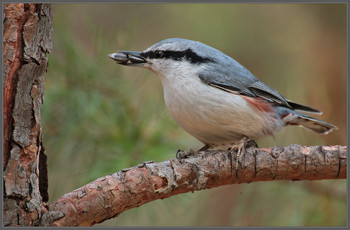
[
  {"x": 180, "y": 154},
  {"x": 241, "y": 148}
]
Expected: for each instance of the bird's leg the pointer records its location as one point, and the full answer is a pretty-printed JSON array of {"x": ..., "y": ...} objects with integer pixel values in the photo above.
[
  {"x": 241, "y": 147},
  {"x": 180, "y": 154}
]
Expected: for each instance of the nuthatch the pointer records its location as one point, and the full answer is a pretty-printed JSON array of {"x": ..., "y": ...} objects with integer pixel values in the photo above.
[{"x": 214, "y": 98}]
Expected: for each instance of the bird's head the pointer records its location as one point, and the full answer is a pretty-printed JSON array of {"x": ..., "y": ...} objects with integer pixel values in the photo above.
[{"x": 168, "y": 56}]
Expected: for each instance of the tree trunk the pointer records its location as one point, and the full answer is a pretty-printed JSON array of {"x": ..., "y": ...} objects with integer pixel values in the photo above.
[{"x": 27, "y": 40}]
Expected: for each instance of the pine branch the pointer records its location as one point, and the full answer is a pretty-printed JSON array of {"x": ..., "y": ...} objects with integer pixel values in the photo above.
[{"x": 111, "y": 195}]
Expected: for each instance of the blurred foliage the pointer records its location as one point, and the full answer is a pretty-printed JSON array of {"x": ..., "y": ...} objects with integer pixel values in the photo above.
[{"x": 99, "y": 117}]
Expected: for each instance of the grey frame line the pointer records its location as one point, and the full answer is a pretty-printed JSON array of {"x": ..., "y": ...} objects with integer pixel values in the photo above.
[{"x": 183, "y": 1}]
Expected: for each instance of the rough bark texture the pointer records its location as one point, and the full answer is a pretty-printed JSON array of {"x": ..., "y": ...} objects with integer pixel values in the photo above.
[
  {"x": 27, "y": 40},
  {"x": 109, "y": 196}
]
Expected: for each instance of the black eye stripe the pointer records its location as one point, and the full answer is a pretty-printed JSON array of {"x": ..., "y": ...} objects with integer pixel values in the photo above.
[{"x": 188, "y": 55}]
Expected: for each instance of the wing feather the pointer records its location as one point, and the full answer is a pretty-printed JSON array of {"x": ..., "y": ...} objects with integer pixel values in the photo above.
[
  {"x": 250, "y": 86},
  {"x": 228, "y": 75}
]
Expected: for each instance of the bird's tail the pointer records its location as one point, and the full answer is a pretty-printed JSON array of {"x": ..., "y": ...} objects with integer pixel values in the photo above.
[{"x": 311, "y": 123}]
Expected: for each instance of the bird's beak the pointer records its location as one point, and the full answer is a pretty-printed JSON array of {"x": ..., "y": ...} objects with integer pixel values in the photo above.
[{"x": 130, "y": 58}]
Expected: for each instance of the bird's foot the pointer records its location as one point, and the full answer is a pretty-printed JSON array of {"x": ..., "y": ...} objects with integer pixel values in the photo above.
[
  {"x": 241, "y": 147},
  {"x": 180, "y": 154}
]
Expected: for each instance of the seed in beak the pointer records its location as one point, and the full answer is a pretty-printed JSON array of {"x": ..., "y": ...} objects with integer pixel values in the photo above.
[{"x": 119, "y": 57}]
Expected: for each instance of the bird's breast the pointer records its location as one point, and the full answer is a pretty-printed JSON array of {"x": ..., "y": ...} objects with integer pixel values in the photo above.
[{"x": 214, "y": 116}]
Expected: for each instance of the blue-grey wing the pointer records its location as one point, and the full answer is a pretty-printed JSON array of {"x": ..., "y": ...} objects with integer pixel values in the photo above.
[{"x": 239, "y": 80}]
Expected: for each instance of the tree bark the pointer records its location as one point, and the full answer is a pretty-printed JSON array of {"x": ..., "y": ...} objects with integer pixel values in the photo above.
[
  {"x": 109, "y": 196},
  {"x": 27, "y": 40}
]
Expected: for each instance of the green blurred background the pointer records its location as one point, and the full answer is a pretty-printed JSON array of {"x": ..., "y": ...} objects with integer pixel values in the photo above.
[{"x": 99, "y": 117}]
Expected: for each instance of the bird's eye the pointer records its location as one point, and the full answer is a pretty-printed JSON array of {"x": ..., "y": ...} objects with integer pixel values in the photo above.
[{"x": 159, "y": 54}]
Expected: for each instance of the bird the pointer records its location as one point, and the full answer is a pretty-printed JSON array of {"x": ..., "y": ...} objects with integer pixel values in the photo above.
[{"x": 217, "y": 100}]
